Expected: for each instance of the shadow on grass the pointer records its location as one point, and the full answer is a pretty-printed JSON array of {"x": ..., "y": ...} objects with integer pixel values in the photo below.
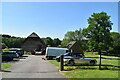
[{"x": 70, "y": 68}]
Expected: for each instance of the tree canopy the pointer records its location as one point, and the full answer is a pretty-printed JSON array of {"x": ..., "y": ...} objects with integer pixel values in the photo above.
[
  {"x": 72, "y": 36},
  {"x": 98, "y": 31}
]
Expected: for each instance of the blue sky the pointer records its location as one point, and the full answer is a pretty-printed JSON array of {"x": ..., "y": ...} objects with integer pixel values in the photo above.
[{"x": 52, "y": 19}]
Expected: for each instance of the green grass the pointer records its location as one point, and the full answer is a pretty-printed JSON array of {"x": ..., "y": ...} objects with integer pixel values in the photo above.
[
  {"x": 27, "y": 53},
  {"x": 90, "y": 71},
  {"x": 87, "y": 71},
  {"x": 5, "y": 66},
  {"x": 6, "y": 49}
]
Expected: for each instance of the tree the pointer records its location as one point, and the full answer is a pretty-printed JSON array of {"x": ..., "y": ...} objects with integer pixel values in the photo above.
[
  {"x": 56, "y": 42},
  {"x": 12, "y": 42},
  {"x": 98, "y": 32},
  {"x": 115, "y": 49},
  {"x": 116, "y": 38},
  {"x": 72, "y": 36},
  {"x": 3, "y": 45},
  {"x": 48, "y": 41}
]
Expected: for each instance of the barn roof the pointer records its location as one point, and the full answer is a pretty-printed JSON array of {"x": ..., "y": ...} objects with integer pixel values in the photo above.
[
  {"x": 69, "y": 45},
  {"x": 33, "y": 35}
]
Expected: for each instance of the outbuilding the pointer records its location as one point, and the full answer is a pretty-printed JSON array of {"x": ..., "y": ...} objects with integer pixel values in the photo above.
[
  {"x": 74, "y": 47},
  {"x": 33, "y": 43}
]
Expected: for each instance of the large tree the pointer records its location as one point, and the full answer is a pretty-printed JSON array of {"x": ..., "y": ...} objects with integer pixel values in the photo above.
[{"x": 98, "y": 32}]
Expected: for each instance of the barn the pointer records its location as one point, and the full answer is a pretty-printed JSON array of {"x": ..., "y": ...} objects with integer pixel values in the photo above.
[
  {"x": 33, "y": 43},
  {"x": 74, "y": 46}
]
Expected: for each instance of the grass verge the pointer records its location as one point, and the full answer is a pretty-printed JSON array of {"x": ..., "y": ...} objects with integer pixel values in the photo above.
[
  {"x": 88, "y": 71},
  {"x": 91, "y": 71},
  {"x": 5, "y": 66}
]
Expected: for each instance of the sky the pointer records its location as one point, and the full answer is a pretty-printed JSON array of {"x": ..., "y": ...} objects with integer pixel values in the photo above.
[{"x": 52, "y": 19}]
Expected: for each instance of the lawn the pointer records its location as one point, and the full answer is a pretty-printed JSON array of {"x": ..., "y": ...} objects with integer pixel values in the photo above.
[
  {"x": 5, "y": 66},
  {"x": 90, "y": 71}
]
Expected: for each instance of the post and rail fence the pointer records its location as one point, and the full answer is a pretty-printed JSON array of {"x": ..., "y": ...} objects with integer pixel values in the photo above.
[{"x": 62, "y": 64}]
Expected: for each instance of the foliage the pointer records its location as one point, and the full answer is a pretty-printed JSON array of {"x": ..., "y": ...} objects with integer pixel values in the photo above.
[
  {"x": 72, "y": 36},
  {"x": 51, "y": 42},
  {"x": 12, "y": 42},
  {"x": 48, "y": 41},
  {"x": 65, "y": 42},
  {"x": 56, "y": 42},
  {"x": 116, "y": 38},
  {"x": 115, "y": 48},
  {"x": 4, "y": 46},
  {"x": 98, "y": 31}
]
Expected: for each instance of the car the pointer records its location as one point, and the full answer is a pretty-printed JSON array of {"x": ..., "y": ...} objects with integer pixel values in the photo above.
[
  {"x": 9, "y": 55},
  {"x": 70, "y": 55},
  {"x": 18, "y": 50},
  {"x": 80, "y": 61}
]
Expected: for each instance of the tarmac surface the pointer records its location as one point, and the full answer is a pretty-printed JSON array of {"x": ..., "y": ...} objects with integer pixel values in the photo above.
[{"x": 32, "y": 67}]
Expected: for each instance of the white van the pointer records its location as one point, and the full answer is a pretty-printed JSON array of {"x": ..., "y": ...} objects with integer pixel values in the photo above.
[{"x": 52, "y": 52}]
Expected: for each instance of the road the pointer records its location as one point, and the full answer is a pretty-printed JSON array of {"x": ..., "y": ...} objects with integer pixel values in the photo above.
[{"x": 32, "y": 67}]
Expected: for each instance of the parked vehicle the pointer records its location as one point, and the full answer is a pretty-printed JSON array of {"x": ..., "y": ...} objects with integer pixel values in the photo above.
[
  {"x": 18, "y": 50},
  {"x": 70, "y": 55},
  {"x": 9, "y": 55},
  {"x": 74, "y": 61},
  {"x": 52, "y": 52}
]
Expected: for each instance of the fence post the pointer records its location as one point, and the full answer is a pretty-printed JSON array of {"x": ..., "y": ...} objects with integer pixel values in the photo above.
[
  {"x": 61, "y": 63},
  {"x": 0, "y": 53}
]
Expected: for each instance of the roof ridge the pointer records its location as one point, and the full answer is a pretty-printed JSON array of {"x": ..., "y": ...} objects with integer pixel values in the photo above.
[{"x": 33, "y": 35}]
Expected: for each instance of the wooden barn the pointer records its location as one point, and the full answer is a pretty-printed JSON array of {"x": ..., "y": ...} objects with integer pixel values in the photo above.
[
  {"x": 75, "y": 47},
  {"x": 33, "y": 43}
]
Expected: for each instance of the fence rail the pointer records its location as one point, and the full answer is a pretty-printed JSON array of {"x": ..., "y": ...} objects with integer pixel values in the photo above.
[
  {"x": 95, "y": 65},
  {"x": 62, "y": 63}
]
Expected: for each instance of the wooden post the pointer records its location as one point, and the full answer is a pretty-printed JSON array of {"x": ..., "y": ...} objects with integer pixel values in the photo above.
[
  {"x": 61, "y": 63},
  {"x": 0, "y": 53},
  {"x": 100, "y": 60}
]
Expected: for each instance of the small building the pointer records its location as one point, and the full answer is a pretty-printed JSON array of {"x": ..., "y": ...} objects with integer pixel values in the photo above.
[
  {"x": 33, "y": 43},
  {"x": 75, "y": 47}
]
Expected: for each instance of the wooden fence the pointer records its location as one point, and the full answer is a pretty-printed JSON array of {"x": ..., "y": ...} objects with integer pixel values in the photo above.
[{"x": 62, "y": 64}]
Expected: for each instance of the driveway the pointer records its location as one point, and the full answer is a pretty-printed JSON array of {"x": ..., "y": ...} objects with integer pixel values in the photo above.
[{"x": 32, "y": 66}]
